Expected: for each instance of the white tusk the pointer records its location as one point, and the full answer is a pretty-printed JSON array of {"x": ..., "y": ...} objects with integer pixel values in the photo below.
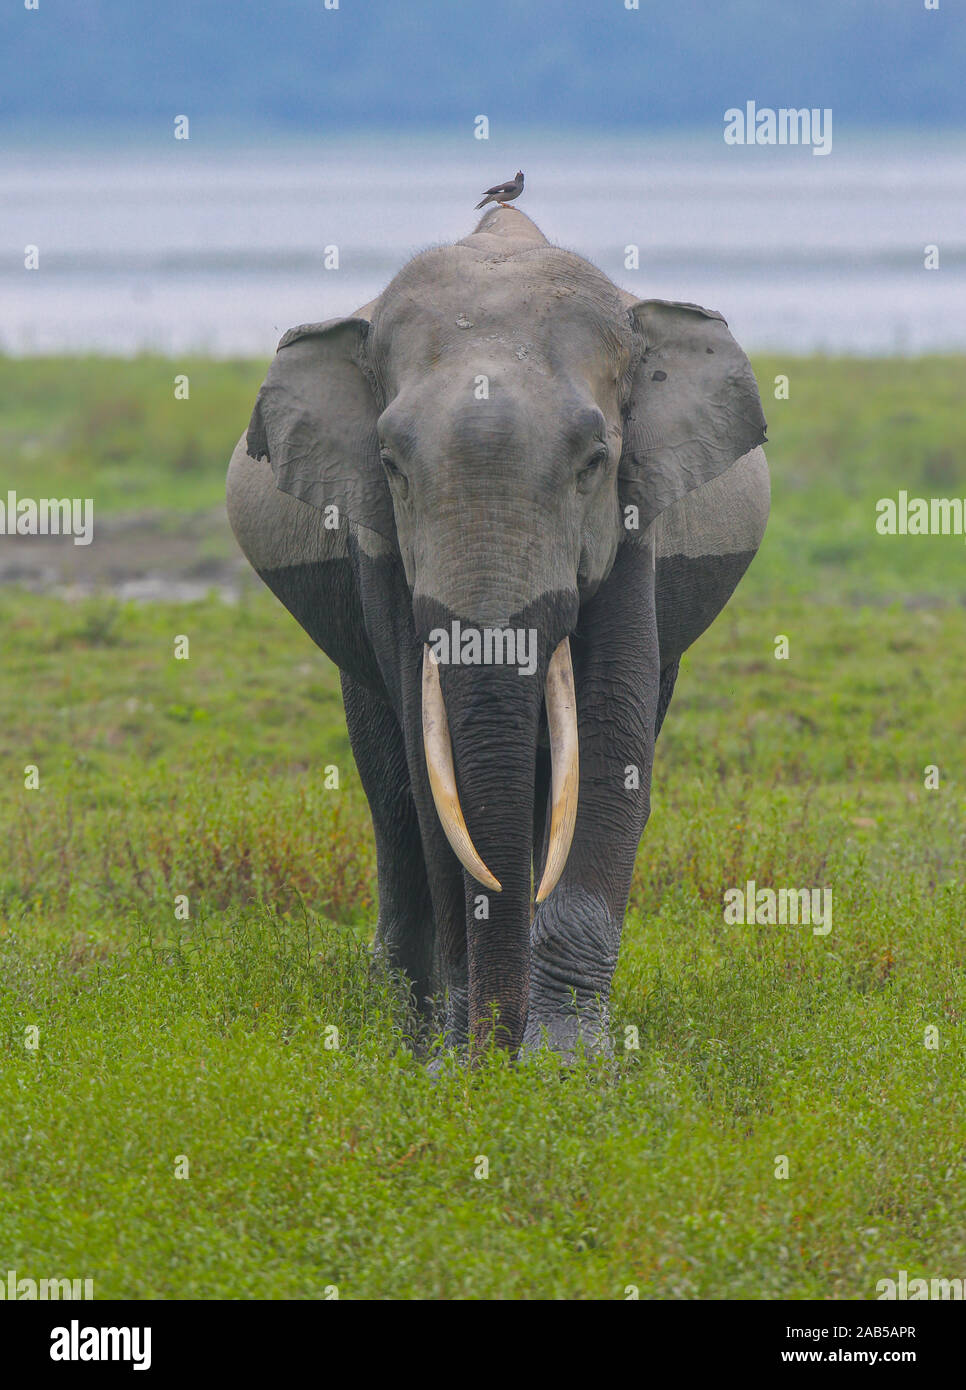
[
  {"x": 565, "y": 769},
  {"x": 442, "y": 776}
]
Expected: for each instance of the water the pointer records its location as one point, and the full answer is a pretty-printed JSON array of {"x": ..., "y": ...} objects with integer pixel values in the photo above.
[{"x": 192, "y": 246}]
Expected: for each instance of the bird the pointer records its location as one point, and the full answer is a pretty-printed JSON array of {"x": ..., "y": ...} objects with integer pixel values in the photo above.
[{"x": 503, "y": 193}]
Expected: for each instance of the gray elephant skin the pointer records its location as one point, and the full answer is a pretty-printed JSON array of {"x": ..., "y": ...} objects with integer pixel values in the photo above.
[{"x": 505, "y": 440}]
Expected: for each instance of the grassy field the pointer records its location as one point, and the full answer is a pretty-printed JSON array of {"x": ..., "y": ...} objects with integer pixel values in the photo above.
[{"x": 177, "y": 1121}]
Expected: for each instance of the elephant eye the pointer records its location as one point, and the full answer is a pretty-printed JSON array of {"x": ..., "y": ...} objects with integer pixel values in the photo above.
[
  {"x": 395, "y": 473},
  {"x": 592, "y": 467}
]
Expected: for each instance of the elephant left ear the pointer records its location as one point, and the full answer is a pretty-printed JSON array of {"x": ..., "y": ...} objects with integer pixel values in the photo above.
[
  {"x": 315, "y": 420},
  {"x": 693, "y": 408}
]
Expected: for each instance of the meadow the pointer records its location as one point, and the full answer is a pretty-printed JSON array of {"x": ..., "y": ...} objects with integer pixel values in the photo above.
[{"x": 208, "y": 1091}]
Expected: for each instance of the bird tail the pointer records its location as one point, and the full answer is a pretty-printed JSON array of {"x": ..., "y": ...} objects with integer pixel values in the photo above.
[{"x": 483, "y": 204}]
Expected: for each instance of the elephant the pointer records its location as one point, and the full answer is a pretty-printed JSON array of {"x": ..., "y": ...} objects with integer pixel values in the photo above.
[{"x": 505, "y": 497}]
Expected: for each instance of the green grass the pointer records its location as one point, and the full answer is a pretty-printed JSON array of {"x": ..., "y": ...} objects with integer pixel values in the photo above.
[
  {"x": 112, "y": 429},
  {"x": 851, "y": 431},
  {"x": 310, "y": 1165}
]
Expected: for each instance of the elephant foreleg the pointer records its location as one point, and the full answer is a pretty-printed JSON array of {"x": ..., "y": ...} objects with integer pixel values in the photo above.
[
  {"x": 576, "y": 932},
  {"x": 669, "y": 675},
  {"x": 405, "y": 934}
]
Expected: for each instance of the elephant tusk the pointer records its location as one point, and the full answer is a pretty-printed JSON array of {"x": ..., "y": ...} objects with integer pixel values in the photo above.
[
  {"x": 442, "y": 775},
  {"x": 565, "y": 769}
]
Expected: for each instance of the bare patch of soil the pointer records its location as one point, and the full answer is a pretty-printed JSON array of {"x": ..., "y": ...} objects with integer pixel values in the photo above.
[{"x": 145, "y": 555}]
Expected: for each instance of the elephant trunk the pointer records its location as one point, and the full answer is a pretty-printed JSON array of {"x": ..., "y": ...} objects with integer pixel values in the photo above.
[
  {"x": 480, "y": 730},
  {"x": 493, "y": 716}
]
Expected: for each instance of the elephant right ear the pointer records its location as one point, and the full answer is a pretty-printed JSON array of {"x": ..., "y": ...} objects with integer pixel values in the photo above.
[
  {"x": 315, "y": 421},
  {"x": 693, "y": 408}
]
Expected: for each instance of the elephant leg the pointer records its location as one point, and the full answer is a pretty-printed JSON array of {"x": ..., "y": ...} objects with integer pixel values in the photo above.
[
  {"x": 576, "y": 932},
  {"x": 405, "y": 934},
  {"x": 444, "y": 877},
  {"x": 669, "y": 675},
  {"x": 387, "y": 610}
]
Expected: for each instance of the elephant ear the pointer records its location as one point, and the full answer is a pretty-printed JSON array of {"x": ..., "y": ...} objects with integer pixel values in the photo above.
[
  {"x": 693, "y": 409},
  {"x": 315, "y": 421}
]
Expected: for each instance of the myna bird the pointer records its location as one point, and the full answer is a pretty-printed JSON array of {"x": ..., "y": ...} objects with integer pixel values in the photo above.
[{"x": 503, "y": 193}]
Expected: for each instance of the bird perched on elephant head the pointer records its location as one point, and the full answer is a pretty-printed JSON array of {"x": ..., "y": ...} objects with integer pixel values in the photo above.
[{"x": 503, "y": 193}]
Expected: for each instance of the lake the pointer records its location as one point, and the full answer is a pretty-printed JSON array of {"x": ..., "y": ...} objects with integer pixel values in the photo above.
[{"x": 218, "y": 247}]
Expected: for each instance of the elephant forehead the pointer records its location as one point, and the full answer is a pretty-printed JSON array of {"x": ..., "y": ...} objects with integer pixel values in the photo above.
[
  {"x": 542, "y": 306},
  {"x": 445, "y": 410}
]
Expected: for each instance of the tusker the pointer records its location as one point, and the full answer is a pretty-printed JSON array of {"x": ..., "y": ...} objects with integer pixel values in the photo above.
[{"x": 506, "y": 446}]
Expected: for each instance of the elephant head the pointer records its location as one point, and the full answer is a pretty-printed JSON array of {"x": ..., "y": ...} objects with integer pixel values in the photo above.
[{"x": 506, "y": 421}]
